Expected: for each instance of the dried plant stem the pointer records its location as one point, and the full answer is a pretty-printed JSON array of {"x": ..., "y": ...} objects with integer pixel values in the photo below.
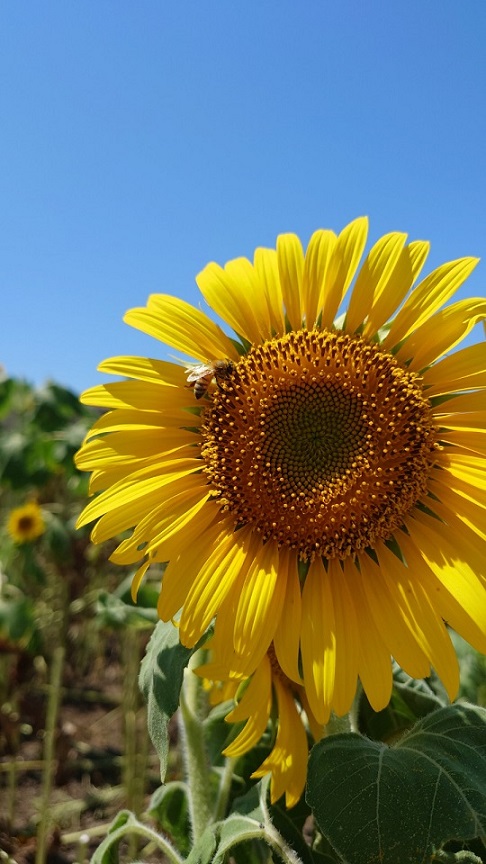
[
  {"x": 133, "y": 783},
  {"x": 53, "y": 703},
  {"x": 12, "y": 780}
]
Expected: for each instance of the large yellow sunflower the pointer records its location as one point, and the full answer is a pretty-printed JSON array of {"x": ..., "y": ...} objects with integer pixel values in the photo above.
[{"x": 318, "y": 482}]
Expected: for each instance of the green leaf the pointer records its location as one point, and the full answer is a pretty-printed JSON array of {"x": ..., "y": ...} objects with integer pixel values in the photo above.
[
  {"x": 106, "y": 853},
  {"x": 57, "y": 540},
  {"x": 125, "y": 824},
  {"x": 236, "y": 830},
  {"x": 147, "y": 595},
  {"x": 411, "y": 700},
  {"x": 113, "y": 612},
  {"x": 18, "y": 622},
  {"x": 396, "y": 805},
  {"x": 55, "y": 406},
  {"x": 222, "y": 837},
  {"x": 203, "y": 851},
  {"x": 161, "y": 675},
  {"x": 169, "y": 807}
]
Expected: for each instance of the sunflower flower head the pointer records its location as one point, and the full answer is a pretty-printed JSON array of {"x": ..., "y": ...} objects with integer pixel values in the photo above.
[
  {"x": 316, "y": 480},
  {"x": 26, "y": 523}
]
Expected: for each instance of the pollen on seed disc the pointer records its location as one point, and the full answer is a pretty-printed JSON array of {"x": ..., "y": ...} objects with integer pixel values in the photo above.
[{"x": 320, "y": 441}]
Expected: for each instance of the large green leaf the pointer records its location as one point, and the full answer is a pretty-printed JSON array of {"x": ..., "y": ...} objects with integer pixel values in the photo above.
[
  {"x": 161, "y": 674},
  {"x": 396, "y": 805}
]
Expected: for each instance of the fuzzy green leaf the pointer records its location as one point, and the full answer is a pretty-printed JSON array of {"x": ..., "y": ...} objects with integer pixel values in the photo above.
[
  {"x": 396, "y": 805},
  {"x": 161, "y": 674}
]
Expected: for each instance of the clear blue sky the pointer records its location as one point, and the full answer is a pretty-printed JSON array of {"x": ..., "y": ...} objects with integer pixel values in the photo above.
[{"x": 140, "y": 139}]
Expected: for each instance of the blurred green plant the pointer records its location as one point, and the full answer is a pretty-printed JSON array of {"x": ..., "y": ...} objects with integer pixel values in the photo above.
[
  {"x": 60, "y": 600},
  {"x": 42, "y": 558}
]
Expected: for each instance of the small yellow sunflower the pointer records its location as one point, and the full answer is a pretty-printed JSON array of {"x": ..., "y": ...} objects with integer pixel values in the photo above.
[
  {"x": 26, "y": 523},
  {"x": 316, "y": 481}
]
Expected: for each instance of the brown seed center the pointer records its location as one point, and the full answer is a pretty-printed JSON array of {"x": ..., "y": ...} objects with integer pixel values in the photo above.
[{"x": 321, "y": 441}]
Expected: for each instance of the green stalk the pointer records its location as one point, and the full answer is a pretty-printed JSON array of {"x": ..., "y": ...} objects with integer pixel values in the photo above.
[
  {"x": 224, "y": 789},
  {"x": 53, "y": 704},
  {"x": 195, "y": 758}
]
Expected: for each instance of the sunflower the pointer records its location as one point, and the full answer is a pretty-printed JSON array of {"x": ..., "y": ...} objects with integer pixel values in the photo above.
[
  {"x": 26, "y": 523},
  {"x": 323, "y": 490}
]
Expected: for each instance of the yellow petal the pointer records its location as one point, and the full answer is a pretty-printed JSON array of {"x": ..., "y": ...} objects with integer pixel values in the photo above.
[
  {"x": 122, "y": 419},
  {"x": 183, "y": 571},
  {"x": 374, "y": 662},
  {"x": 130, "y": 448},
  {"x": 386, "y": 302},
  {"x": 318, "y": 641},
  {"x": 462, "y": 403},
  {"x": 465, "y": 442},
  {"x": 445, "y": 559},
  {"x": 147, "y": 396},
  {"x": 373, "y": 278},
  {"x": 457, "y": 512},
  {"x": 473, "y": 421},
  {"x": 145, "y": 369},
  {"x": 347, "y": 641},
  {"x": 441, "y": 333},
  {"x": 347, "y": 253},
  {"x": 454, "y": 494},
  {"x": 182, "y": 326},
  {"x": 138, "y": 579},
  {"x": 420, "y": 616},
  {"x": 288, "y": 759},
  {"x": 254, "y": 706},
  {"x": 291, "y": 269},
  {"x": 390, "y": 615},
  {"x": 180, "y": 494},
  {"x": 427, "y": 297},
  {"x": 463, "y": 370},
  {"x": 286, "y": 639},
  {"x": 215, "y": 580},
  {"x": 266, "y": 269},
  {"x": 260, "y": 604},
  {"x": 232, "y": 293},
  {"x": 446, "y": 594},
  {"x": 317, "y": 259},
  {"x": 139, "y": 488},
  {"x": 468, "y": 469}
]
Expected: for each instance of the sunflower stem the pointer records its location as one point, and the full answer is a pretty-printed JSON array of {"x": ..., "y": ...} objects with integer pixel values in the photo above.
[
  {"x": 277, "y": 842},
  {"x": 270, "y": 833},
  {"x": 224, "y": 789},
  {"x": 195, "y": 757}
]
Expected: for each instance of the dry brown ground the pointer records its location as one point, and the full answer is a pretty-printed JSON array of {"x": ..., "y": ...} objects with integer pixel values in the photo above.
[{"x": 89, "y": 785}]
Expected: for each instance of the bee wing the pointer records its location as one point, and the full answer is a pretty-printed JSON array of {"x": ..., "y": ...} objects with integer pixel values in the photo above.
[{"x": 198, "y": 372}]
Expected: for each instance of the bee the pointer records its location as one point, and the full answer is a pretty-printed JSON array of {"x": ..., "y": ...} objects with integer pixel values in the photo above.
[{"x": 200, "y": 377}]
